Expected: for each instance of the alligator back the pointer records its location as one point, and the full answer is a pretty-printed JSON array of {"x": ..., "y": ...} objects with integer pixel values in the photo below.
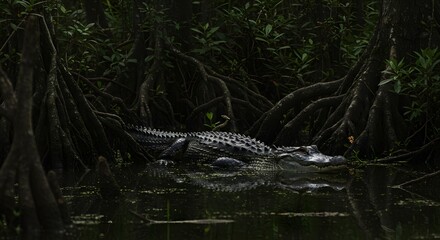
[
  {"x": 154, "y": 140},
  {"x": 230, "y": 142},
  {"x": 202, "y": 145}
]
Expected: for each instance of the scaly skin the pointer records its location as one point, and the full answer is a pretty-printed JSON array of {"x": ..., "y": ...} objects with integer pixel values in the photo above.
[{"x": 232, "y": 150}]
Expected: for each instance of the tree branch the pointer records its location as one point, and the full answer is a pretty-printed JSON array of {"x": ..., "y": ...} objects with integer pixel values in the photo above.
[
  {"x": 271, "y": 124},
  {"x": 408, "y": 155},
  {"x": 288, "y": 134},
  {"x": 206, "y": 77}
]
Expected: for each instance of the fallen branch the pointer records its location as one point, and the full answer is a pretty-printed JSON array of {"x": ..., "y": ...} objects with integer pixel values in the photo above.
[
  {"x": 429, "y": 175},
  {"x": 408, "y": 155},
  {"x": 193, "y": 221}
]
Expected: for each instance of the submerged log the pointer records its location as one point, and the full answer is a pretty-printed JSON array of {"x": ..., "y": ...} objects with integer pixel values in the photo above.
[{"x": 108, "y": 187}]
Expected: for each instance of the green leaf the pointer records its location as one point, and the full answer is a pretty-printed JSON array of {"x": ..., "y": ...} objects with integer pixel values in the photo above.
[
  {"x": 209, "y": 115},
  {"x": 383, "y": 82},
  {"x": 435, "y": 63},
  {"x": 284, "y": 47},
  {"x": 278, "y": 35},
  {"x": 206, "y": 26},
  {"x": 304, "y": 56},
  {"x": 422, "y": 62},
  {"x": 268, "y": 29},
  {"x": 212, "y": 31},
  {"x": 24, "y": 4},
  {"x": 218, "y": 42},
  {"x": 149, "y": 58},
  {"x": 397, "y": 86},
  {"x": 13, "y": 26},
  {"x": 261, "y": 39},
  {"x": 392, "y": 64},
  {"x": 199, "y": 50},
  {"x": 90, "y": 25},
  {"x": 197, "y": 31}
]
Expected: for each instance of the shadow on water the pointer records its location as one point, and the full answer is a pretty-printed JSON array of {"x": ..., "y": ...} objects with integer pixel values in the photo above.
[{"x": 179, "y": 203}]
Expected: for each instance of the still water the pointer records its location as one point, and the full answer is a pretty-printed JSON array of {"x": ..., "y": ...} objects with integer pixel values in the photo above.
[{"x": 179, "y": 203}]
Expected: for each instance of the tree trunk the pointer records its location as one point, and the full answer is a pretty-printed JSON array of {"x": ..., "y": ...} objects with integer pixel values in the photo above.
[
  {"x": 368, "y": 118},
  {"x": 371, "y": 112},
  {"x": 36, "y": 201}
]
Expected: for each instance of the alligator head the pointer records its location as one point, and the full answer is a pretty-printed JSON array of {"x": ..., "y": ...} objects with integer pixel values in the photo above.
[{"x": 308, "y": 159}]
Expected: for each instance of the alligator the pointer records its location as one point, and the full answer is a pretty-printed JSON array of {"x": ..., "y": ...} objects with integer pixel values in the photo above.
[{"x": 226, "y": 150}]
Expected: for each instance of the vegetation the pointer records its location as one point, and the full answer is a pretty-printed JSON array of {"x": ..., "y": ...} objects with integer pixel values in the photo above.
[{"x": 355, "y": 77}]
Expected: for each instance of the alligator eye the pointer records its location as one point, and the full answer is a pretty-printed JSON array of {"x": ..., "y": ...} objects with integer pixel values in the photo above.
[{"x": 302, "y": 150}]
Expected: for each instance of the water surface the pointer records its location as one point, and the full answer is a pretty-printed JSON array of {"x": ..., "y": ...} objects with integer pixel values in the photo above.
[{"x": 183, "y": 203}]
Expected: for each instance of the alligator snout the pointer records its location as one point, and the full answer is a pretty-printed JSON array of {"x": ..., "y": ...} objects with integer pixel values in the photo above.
[{"x": 337, "y": 160}]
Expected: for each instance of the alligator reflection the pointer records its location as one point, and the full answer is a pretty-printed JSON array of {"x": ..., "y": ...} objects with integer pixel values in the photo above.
[
  {"x": 248, "y": 179},
  {"x": 257, "y": 205}
]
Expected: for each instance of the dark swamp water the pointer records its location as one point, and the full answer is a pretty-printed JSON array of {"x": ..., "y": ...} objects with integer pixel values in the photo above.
[{"x": 206, "y": 204}]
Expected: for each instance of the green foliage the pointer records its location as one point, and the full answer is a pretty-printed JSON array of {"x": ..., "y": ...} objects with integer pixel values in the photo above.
[
  {"x": 396, "y": 72},
  {"x": 419, "y": 81},
  {"x": 117, "y": 62},
  {"x": 206, "y": 39},
  {"x": 266, "y": 38},
  {"x": 156, "y": 19},
  {"x": 356, "y": 37},
  {"x": 100, "y": 54},
  {"x": 13, "y": 13},
  {"x": 78, "y": 35},
  {"x": 20, "y": 7},
  {"x": 277, "y": 45},
  {"x": 211, "y": 124},
  {"x": 424, "y": 89},
  {"x": 281, "y": 42}
]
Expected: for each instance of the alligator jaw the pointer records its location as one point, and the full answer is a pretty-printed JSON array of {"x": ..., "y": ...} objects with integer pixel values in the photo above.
[{"x": 317, "y": 163}]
